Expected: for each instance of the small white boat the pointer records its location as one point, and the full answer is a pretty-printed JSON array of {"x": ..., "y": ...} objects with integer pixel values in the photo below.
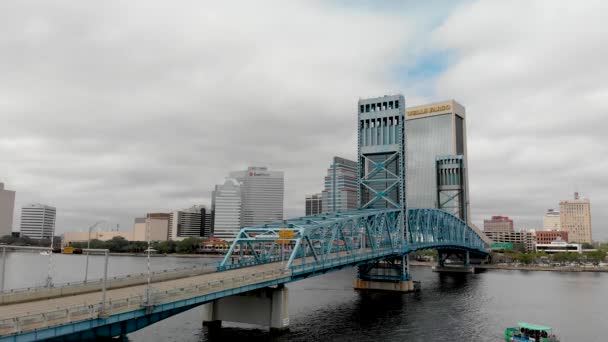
[{"x": 45, "y": 253}]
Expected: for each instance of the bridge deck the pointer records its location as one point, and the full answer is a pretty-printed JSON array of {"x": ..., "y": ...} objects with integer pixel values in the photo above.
[{"x": 12, "y": 310}]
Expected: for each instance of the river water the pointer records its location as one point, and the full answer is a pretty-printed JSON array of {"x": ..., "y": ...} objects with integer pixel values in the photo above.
[{"x": 473, "y": 307}]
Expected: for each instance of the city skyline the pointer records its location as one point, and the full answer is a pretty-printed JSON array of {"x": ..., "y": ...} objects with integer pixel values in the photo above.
[{"x": 166, "y": 145}]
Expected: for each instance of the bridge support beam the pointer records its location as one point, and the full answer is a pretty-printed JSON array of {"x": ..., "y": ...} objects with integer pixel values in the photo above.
[
  {"x": 386, "y": 275},
  {"x": 265, "y": 307},
  {"x": 463, "y": 256}
]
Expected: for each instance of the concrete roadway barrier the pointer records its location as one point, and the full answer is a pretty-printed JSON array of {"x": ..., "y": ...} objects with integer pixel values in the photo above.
[{"x": 37, "y": 293}]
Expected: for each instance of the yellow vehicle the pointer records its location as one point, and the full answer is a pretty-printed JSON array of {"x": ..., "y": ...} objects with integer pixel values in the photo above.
[{"x": 68, "y": 250}]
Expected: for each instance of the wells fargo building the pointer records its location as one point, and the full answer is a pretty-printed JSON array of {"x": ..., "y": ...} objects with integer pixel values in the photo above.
[{"x": 436, "y": 146}]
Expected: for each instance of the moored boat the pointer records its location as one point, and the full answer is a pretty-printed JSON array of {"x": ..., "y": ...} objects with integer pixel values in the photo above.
[{"x": 530, "y": 333}]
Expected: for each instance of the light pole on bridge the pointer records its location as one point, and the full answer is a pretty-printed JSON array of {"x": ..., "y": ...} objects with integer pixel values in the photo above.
[{"x": 86, "y": 268}]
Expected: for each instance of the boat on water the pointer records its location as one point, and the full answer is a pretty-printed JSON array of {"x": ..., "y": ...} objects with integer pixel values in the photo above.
[
  {"x": 530, "y": 333},
  {"x": 45, "y": 253}
]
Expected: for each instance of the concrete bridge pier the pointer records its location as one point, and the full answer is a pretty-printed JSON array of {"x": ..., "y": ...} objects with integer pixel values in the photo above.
[
  {"x": 463, "y": 256},
  {"x": 265, "y": 307},
  {"x": 386, "y": 275}
]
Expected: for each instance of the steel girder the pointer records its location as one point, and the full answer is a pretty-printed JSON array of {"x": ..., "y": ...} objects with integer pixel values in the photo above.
[
  {"x": 434, "y": 228},
  {"x": 317, "y": 239}
]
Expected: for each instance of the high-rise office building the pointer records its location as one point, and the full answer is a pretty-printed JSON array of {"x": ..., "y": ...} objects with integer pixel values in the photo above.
[
  {"x": 552, "y": 220},
  {"x": 226, "y": 206},
  {"x": 314, "y": 204},
  {"x": 7, "y": 207},
  {"x": 187, "y": 223},
  {"x": 575, "y": 218},
  {"x": 340, "y": 192},
  {"x": 498, "y": 224},
  {"x": 262, "y": 194},
  {"x": 38, "y": 221},
  {"x": 207, "y": 222},
  {"x": 381, "y": 152},
  {"x": 433, "y": 131}
]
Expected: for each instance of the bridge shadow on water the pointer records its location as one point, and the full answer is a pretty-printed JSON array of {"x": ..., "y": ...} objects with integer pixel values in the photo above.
[{"x": 335, "y": 312}]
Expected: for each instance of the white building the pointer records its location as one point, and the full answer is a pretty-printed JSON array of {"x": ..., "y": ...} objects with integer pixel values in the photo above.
[
  {"x": 226, "y": 206},
  {"x": 262, "y": 194},
  {"x": 551, "y": 220},
  {"x": 38, "y": 221},
  {"x": 7, "y": 207},
  {"x": 559, "y": 246}
]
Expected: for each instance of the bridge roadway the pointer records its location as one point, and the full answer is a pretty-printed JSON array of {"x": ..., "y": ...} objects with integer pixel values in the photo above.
[{"x": 30, "y": 321}]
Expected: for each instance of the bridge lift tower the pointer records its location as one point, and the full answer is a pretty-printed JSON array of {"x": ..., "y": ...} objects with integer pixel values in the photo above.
[{"x": 381, "y": 167}]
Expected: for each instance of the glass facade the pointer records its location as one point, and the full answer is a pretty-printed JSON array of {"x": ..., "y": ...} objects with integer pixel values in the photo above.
[
  {"x": 340, "y": 188},
  {"x": 427, "y": 138}
]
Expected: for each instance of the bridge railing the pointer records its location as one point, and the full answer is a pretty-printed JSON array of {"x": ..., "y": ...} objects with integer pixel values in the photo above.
[
  {"x": 340, "y": 260},
  {"x": 41, "y": 318},
  {"x": 95, "y": 284}
]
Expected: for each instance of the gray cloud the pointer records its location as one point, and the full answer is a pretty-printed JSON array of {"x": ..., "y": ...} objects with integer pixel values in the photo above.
[
  {"x": 532, "y": 77},
  {"x": 114, "y": 109}
]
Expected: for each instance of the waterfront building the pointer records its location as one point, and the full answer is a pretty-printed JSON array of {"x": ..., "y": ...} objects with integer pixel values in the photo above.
[
  {"x": 187, "y": 223},
  {"x": 226, "y": 206},
  {"x": 262, "y": 193},
  {"x": 551, "y": 220},
  {"x": 559, "y": 246},
  {"x": 525, "y": 239},
  {"x": 498, "y": 224},
  {"x": 340, "y": 191},
  {"x": 575, "y": 218},
  {"x": 314, "y": 204},
  {"x": 7, "y": 207},
  {"x": 157, "y": 223},
  {"x": 548, "y": 236},
  {"x": 38, "y": 221},
  {"x": 435, "y": 130}
]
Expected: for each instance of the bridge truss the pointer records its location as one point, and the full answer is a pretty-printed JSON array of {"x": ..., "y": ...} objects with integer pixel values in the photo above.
[{"x": 324, "y": 242}]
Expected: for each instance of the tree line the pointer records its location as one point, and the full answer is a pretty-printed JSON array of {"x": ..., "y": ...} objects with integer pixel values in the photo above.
[{"x": 117, "y": 244}]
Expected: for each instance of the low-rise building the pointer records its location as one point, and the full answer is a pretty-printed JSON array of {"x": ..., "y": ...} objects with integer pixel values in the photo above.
[
  {"x": 548, "y": 236},
  {"x": 526, "y": 239},
  {"x": 559, "y": 246}
]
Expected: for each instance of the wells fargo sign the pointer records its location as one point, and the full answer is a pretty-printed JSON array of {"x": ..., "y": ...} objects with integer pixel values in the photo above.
[{"x": 429, "y": 110}]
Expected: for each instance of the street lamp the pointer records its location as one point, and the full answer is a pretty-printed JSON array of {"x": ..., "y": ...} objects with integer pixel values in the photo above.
[{"x": 86, "y": 268}]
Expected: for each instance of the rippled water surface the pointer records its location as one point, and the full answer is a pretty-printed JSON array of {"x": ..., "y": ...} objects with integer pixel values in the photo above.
[{"x": 326, "y": 308}]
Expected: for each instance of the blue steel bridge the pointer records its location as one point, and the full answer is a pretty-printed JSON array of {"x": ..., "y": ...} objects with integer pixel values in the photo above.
[{"x": 248, "y": 285}]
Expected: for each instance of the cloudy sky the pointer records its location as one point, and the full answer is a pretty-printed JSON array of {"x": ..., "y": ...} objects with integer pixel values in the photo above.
[{"x": 111, "y": 109}]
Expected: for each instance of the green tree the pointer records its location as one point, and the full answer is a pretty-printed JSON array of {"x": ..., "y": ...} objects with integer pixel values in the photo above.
[
  {"x": 117, "y": 244},
  {"x": 95, "y": 244},
  {"x": 527, "y": 258},
  {"x": 595, "y": 257},
  {"x": 165, "y": 247},
  {"x": 188, "y": 245}
]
